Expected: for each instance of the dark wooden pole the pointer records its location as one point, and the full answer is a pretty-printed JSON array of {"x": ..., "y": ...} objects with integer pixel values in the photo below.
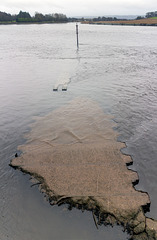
[{"x": 77, "y": 36}]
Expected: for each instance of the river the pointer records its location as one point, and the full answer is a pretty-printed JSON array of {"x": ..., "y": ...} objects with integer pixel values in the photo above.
[{"x": 116, "y": 66}]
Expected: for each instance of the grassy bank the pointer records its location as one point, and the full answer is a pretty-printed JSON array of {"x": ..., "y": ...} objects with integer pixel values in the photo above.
[{"x": 139, "y": 22}]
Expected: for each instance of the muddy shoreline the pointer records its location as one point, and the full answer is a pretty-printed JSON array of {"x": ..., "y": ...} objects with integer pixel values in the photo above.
[{"x": 80, "y": 163}]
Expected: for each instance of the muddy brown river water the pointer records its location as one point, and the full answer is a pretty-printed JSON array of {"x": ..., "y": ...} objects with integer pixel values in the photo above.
[{"x": 115, "y": 67}]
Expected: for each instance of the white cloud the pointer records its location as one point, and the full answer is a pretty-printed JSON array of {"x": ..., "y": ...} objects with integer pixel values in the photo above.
[{"x": 80, "y": 7}]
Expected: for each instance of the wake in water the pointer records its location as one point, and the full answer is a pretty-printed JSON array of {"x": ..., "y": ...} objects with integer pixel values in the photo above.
[{"x": 64, "y": 79}]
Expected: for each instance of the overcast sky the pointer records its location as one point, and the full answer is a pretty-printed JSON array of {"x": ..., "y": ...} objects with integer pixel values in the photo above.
[{"x": 80, "y": 7}]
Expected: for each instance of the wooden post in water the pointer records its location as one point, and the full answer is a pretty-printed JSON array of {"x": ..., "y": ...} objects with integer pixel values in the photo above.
[{"x": 77, "y": 36}]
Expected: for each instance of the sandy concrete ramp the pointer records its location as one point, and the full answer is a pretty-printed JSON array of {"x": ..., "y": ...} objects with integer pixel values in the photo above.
[{"x": 75, "y": 151}]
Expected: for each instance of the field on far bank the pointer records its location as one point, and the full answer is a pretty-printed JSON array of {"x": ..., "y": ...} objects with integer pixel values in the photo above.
[{"x": 139, "y": 22}]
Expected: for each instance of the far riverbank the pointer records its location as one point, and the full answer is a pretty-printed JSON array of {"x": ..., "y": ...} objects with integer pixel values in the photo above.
[{"x": 139, "y": 22}]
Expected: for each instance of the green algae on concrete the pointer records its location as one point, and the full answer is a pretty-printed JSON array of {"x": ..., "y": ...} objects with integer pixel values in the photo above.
[{"x": 75, "y": 153}]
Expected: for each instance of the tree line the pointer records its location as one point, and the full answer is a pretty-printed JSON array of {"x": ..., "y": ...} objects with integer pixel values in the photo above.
[
  {"x": 25, "y": 17},
  {"x": 99, "y": 19},
  {"x": 151, "y": 14}
]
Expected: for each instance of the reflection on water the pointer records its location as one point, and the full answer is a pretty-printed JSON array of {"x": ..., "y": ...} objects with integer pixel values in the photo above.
[{"x": 116, "y": 67}]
